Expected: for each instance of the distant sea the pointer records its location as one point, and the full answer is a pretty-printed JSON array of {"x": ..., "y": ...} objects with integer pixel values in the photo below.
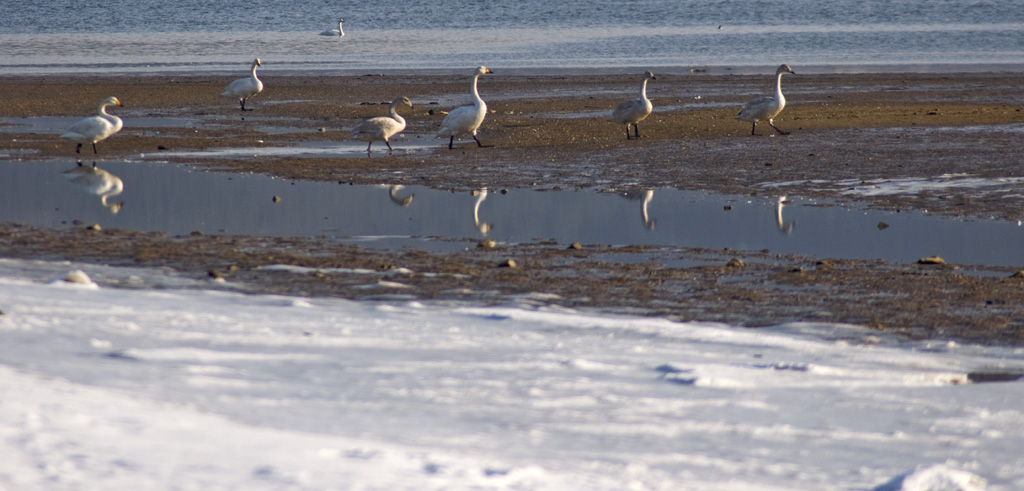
[{"x": 204, "y": 36}]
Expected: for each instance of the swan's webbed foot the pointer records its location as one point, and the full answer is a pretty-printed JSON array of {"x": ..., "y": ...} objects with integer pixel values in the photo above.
[
  {"x": 481, "y": 145},
  {"x": 78, "y": 149},
  {"x": 636, "y": 131}
]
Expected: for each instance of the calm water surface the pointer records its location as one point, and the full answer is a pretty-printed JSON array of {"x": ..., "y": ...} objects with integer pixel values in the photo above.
[
  {"x": 172, "y": 199},
  {"x": 147, "y": 36}
]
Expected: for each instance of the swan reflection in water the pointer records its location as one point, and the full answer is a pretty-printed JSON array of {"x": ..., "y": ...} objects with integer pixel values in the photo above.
[
  {"x": 399, "y": 200},
  {"x": 481, "y": 195},
  {"x": 645, "y": 197},
  {"x": 94, "y": 180},
  {"x": 784, "y": 227}
]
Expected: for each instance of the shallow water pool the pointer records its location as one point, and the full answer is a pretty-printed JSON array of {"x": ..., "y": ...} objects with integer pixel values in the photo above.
[{"x": 178, "y": 200}]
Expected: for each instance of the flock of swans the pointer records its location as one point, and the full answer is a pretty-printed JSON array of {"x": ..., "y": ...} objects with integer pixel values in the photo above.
[{"x": 459, "y": 123}]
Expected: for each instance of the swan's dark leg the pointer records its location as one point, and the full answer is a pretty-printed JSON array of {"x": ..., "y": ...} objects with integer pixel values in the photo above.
[
  {"x": 94, "y": 148},
  {"x": 78, "y": 149},
  {"x": 450, "y": 141},
  {"x": 368, "y": 147},
  {"x": 636, "y": 130},
  {"x": 627, "y": 132},
  {"x": 777, "y": 128},
  {"x": 389, "y": 146},
  {"x": 481, "y": 145},
  {"x": 243, "y": 105},
  {"x": 753, "y": 127}
]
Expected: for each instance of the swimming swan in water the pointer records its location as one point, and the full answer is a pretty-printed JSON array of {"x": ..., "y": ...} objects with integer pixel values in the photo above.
[
  {"x": 94, "y": 180},
  {"x": 339, "y": 32},
  {"x": 465, "y": 120},
  {"x": 95, "y": 128},
  {"x": 382, "y": 127},
  {"x": 634, "y": 111},
  {"x": 766, "y": 108},
  {"x": 245, "y": 88}
]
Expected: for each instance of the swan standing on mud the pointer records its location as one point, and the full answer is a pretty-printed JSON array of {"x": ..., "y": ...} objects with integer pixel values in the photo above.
[
  {"x": 95, "y": 128},
  {"x": 339, "y": 32},
  {"x": 465, "y": 120},
  {"x": 382, "y": 127},
  {"x": 634, "y": 111},
  {"x": 245, "y": 88},
  {"x": 766, "y": 108}
]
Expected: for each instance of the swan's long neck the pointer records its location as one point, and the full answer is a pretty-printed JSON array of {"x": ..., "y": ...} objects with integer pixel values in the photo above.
[
  {"x": 643, "y": 89},
  {"x": 778, "y": 87},
  {"x": 341, "y": 32},
  {"x": 254, "y": 67},
  {"x": 103, "y": 109},
  {"x": 393, "y": 112},
  {"x": 477, "y": 101}
]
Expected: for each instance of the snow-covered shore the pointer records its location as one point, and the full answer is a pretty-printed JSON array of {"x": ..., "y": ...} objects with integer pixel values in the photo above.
[{"x": 166, "y": 388}]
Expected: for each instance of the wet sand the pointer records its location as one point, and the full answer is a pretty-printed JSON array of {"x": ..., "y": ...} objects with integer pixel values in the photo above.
[{"x": 549, "y": 132}]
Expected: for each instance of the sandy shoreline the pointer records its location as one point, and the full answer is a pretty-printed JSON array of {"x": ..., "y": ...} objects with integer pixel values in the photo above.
[{"x": 548, "y": 131}]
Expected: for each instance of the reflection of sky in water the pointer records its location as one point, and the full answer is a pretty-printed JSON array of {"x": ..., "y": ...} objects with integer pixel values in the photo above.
[{"x": 161, "y": 197}]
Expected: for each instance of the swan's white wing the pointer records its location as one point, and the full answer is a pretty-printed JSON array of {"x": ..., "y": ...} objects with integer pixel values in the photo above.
[
  {"x": 462, "y": 121},
  {"x": 243, "y": 87},
  {"x": 379, "y": 128},
  {"x": 91, "y": 130},
  {"x": 630, "y": 111},
  {"x": 760, "y": 108}
]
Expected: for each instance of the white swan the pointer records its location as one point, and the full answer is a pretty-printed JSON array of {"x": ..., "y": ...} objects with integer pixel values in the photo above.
[
  {"x": 465, "y": 120},
  {"x": 245, "y": 88},
  {"x": 382, "y": 127},
  {"x": 634, "y": 111},
  {"x": 94, "y": 180},
  {"x": 95, "y": 128},
  {"x": 766, "y": 108},
  {"x": 339, "y": 32}
]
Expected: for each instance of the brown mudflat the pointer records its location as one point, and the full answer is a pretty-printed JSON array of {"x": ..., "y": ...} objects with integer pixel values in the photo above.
[{"x": 549, "y": 132}]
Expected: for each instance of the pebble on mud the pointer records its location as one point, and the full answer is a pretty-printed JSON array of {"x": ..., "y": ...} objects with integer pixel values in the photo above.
[
  {"x": 735, "y": 263},
  {"x": 94, "y": 227},
  {"x": 882, "y": 225},
  {"x": 486, "y": 244},
  {"x": 576, "y": 245},
  {"x": 509, "y": 263},
  {"x": 931, "y": 260}
]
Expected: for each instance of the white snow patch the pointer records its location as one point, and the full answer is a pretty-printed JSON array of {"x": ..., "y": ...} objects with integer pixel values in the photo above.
[{"x": 114, "y": 388}]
